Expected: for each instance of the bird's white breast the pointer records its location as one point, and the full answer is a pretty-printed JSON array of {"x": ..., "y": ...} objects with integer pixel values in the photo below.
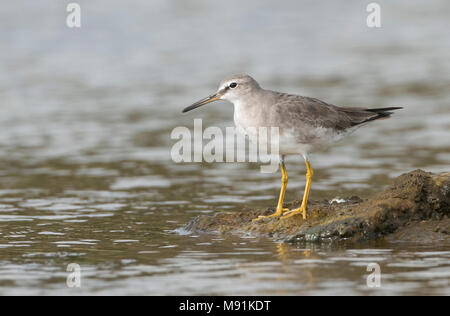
[
  {"x": 247, "y": 122},
  {"x": 244, "y": 121}
]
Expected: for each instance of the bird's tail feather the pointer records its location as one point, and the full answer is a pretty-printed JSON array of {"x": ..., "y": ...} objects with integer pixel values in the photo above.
[
  {"x": 383, "y": 113},
  {"x": 361, "y": 116},
  {"x": 381, "y": 110}
]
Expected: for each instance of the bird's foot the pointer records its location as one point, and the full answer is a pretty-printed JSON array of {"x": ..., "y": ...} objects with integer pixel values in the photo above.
[
  {"x": 300, "y": 210},
  {"x": 278, "y": 213}
]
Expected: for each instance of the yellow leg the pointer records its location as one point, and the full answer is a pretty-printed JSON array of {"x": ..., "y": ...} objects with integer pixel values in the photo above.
[
  {"x": 284, "y": 181},
  {"x": 302, "y": 208}
]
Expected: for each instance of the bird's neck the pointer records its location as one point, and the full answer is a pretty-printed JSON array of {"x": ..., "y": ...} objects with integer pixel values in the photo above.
[{"x": 246, "y": 111}]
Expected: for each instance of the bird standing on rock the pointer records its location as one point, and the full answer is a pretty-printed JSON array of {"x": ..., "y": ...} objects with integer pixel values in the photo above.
[{"x": 305, "y": 124}]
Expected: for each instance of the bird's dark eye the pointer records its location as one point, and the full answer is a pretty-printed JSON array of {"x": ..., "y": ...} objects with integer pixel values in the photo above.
[{"x": 233, "y": 85}]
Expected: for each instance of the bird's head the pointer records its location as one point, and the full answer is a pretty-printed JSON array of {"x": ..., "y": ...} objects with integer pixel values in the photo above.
[{"x": 231, "y": 89}]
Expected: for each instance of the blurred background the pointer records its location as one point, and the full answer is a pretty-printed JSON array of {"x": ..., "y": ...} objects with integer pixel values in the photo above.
[{"x": 85, "y": 121}]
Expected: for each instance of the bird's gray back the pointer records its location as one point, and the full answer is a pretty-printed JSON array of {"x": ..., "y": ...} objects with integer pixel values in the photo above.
[{"x": 304, "y": 115}]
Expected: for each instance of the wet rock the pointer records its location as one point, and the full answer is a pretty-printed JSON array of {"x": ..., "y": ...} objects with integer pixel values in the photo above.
[{"x": 415, "y": 207}]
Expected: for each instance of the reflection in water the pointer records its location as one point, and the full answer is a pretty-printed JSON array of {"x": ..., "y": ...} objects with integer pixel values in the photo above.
[{"x": 86, "y": 115}]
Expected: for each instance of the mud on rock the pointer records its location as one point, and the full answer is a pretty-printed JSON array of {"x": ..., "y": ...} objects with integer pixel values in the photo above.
[{"x": 414, "y": 207}]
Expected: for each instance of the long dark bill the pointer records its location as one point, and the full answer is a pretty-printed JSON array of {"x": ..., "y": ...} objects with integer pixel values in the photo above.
[{"x": 209, "y": 99}]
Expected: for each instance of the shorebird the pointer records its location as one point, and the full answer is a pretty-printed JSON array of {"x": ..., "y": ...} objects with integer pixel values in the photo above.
[{"x": 305, "y": 124}]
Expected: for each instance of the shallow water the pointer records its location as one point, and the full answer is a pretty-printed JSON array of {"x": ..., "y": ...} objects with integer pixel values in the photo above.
[{"x": 85, "y": 121}]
